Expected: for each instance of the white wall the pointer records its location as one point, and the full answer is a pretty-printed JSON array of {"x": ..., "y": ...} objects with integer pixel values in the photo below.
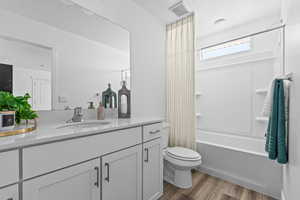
[
  {"x": 229, "y": 104},
  {"x": 147, "y": 53},
  {"x": 291, "y": 172},
  {"x": 86, "y": 24},
  {"x": 25, "y": 55},
  {"x": 82, "y": 67},
  {"x": 238, "y": 31}
]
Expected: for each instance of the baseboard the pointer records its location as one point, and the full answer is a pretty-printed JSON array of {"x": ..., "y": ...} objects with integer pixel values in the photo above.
[
  {"x": 237, "y": 180},
  {"x": 283, "y": 197}
]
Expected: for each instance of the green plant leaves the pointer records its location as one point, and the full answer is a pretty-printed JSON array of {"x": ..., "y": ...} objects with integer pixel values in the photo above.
[
  {"x": 20, "y": 104},
  {"x": 7, "y": 101}
]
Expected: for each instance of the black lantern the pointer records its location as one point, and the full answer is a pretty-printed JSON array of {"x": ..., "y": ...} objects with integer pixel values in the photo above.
[{"x": 109, "y": 98}]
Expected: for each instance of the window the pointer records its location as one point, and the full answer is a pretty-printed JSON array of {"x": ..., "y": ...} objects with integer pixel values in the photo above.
[{"x": 227, "y": 48}]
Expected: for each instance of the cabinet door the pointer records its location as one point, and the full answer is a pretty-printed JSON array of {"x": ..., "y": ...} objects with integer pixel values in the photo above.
[
  {"x": 122, "y": 175},
  {"x": 9, "y": 193},
  {"x": 80, "y": 182},
  {"x": 9, "y": 163},
  {"x": 152, "y": 170}
]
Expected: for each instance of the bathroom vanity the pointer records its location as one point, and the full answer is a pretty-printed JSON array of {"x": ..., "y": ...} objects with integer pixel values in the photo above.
[
  {"x": 63, "y": 64},
  {"x": 120, "y": 160}
]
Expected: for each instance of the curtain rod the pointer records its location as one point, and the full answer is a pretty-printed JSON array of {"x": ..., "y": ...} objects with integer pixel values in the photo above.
[{"x": 242, "y": 37}]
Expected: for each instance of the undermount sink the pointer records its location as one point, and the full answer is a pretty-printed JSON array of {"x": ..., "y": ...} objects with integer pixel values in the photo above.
[{"x": 85, "y": 124}]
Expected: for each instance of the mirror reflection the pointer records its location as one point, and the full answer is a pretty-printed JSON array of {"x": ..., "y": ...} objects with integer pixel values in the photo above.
[
  {"x": 63, "y": 60},
  {"x": 26, "y": 68}
]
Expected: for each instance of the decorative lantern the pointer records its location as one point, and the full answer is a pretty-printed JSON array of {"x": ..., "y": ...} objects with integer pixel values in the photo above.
[
  {"x": 124, "y": 109},
  {"x": 109, "y": 98}
]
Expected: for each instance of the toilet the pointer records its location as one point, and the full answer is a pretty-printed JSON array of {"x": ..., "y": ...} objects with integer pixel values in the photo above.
[{"x": 178, "y": 162}]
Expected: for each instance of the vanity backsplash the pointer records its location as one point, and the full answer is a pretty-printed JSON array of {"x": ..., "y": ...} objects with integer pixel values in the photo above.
[{"x": 61, "y": 116}]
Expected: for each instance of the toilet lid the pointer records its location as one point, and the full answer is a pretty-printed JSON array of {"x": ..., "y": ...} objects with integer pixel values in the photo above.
[{"x": 183, "y": 154}]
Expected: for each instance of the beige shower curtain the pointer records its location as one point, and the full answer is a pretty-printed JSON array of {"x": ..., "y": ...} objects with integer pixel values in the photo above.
[{"x": 180, "y": 82}]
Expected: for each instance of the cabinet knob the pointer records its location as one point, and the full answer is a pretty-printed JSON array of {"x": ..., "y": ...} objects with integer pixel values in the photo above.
[{"x": 10, "y": 199}]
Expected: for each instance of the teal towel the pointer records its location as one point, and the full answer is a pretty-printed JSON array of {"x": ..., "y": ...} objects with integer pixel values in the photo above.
[{"x": 276, "y": 132}]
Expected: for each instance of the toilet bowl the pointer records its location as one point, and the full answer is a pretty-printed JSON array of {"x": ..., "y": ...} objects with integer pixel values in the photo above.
[{"x": 178, "y": 163}]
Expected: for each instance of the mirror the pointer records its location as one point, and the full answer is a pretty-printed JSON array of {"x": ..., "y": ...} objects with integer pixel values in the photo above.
[
  {"x": 63, "y": 55},
  {"x": 26, "y": 68}
]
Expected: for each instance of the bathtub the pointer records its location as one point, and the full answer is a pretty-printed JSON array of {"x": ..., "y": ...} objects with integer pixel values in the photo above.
[
  {"x": 255, "y": 146},
  {"x": 240, "y": 160}
]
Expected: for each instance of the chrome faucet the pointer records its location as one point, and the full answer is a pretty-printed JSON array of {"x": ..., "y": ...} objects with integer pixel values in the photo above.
[{"x": 77, "y": 116}]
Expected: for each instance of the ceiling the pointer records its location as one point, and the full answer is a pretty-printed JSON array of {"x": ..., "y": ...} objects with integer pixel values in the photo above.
[
  {"x": 236, "y": 12},
  {"x": 61, "y": 14}
]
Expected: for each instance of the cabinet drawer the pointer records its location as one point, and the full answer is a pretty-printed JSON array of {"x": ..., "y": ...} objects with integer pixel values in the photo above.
[
  {"x": 9, "y": 163},
  {"x": 152, "y": 131},
  {"x": 45, "y": 158}
]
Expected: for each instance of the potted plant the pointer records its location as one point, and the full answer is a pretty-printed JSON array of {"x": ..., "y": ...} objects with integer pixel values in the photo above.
[{"x": 19, "y": 105}]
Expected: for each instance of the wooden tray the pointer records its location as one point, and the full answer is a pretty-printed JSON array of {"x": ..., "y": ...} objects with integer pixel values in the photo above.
[{"x": 20, "y": 129}]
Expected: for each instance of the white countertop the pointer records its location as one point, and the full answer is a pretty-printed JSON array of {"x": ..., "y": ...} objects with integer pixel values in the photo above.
[{"x": 50, "y": 133}]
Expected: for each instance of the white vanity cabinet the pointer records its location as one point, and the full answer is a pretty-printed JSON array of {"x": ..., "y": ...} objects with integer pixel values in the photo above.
[
  {"x": 122, "y": 175},
  {"x": 152, "y": 170},
  {"x": 9, "y": 168},
  {"x": 121, "y": 164},
  {"x": 9, "y": 193},
  {"x": 73, "y": 183},
  {"x": 152, "y": 131},
  {"x": 46, "y": 158}
]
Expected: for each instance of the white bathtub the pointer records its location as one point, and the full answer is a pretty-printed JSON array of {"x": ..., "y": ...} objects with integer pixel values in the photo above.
[
  {"x": 249, "y": 145},
  {"x": 240, "y": 160}
]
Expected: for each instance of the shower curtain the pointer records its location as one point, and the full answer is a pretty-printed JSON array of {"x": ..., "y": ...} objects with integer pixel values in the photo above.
[{"x": 180, "y": 82}]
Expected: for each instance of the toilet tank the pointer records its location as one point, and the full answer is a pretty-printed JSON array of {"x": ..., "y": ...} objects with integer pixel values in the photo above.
[{"x": 165, "y": 134}]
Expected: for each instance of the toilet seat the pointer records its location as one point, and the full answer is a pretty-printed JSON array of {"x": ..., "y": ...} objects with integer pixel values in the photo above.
[{"x": 183, "y": 154}]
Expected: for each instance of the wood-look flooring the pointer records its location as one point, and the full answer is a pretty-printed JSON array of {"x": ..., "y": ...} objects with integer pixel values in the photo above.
[{"x": 206, "y": 187}]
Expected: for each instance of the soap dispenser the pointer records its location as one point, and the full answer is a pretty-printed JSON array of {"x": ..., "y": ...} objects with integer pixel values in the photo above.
[{"x": 100, "y": 112}]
